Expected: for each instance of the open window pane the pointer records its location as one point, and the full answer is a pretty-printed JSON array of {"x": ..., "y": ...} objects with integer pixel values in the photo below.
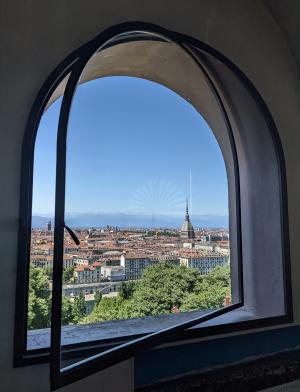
[
  {"x": 146, "y": 196},
  {"x": 42, "y": 224},
  {"x": 127, "y": 178}
]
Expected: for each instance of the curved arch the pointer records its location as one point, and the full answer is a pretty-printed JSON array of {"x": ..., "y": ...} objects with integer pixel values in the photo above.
[{"x": 256, "y": 139}]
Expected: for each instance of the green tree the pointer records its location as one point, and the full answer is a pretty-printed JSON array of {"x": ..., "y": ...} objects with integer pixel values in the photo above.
[
  {"x": 97, "y": 297},
  {"x": 209, "y": 297},
  {"x": 219, "y": 275},
  {"x": 210, "y": 291},
  {"x": 68, "y": 275},
  {"x": 162, "y": 287},
  {"x": 49, "y": 272},
  {"x": 127, "y": 289},
  {"x": 79, "y": 308},
  {"x": 39, "y": 301},
  {"x": 67, "y": 311},
  {"x": 107, "y": 309}
]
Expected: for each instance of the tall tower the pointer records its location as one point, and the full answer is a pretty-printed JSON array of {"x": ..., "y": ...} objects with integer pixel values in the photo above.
[
  {"x": 187, "y": 230},
  {"x": 49, "y": 225}
]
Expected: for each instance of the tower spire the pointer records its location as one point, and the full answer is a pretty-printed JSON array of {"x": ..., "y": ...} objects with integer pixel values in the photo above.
[
  {"x": 187, "y": 217},
  {"x": 187, "y": 230}
]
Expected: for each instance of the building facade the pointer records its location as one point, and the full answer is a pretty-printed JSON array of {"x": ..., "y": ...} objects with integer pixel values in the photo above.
[
  {"x": 135, "y": 265},
  {"x": 204, "y": 263},
  {"x": 85, "y": 273}
]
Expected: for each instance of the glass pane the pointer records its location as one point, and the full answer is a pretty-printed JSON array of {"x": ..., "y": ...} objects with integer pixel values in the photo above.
[
  {"x": 147, "y": 196},
  {"x": 42, "y": 232}
]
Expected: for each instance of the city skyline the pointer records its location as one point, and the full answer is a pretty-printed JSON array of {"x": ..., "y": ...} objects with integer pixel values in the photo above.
[{"x": 98, "y": 220}]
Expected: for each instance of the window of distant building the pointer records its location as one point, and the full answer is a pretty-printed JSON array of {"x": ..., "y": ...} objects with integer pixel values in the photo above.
[{"x": 115, "y": 234}]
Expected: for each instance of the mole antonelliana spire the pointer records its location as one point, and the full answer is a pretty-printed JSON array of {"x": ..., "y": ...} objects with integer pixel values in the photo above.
[{"x": 187, "y": 230}]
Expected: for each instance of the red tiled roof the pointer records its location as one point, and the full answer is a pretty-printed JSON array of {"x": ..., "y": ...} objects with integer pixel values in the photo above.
[{"x": 82, "y": 268}]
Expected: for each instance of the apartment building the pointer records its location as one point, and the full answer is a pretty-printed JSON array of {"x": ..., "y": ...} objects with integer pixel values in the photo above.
[
  {"x": 134, "y": 265},
  {"x": 85, "y": 273},
  {"x": 45, "y": 261},
  {"x": 113, "y": 273},
  {"x": 205, "y": 262}
]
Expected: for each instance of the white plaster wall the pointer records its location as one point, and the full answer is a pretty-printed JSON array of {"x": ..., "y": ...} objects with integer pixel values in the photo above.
[{"x": 36, "y": 35}]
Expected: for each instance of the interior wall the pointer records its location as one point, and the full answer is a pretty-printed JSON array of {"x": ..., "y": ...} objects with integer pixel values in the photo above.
[{"x": 36, "y": 36}]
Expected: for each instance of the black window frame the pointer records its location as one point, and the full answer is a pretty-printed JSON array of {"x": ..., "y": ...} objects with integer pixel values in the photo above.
[{"x": 74, "y": 64}]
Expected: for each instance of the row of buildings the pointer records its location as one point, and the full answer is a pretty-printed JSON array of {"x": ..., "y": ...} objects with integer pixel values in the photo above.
[
  {"x": 107, "y": 257},
  {"x": 132, "y": 265}
]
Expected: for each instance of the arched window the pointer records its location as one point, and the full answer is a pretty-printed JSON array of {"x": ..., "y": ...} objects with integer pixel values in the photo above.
[{"x": 251, "y": 149}]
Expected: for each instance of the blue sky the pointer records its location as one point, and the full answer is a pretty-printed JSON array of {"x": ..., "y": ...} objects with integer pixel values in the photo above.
[{"x": 134, "y": 146}]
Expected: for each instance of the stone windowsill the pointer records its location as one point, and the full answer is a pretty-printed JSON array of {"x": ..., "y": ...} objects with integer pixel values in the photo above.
[{"x": 109, "y": 330}]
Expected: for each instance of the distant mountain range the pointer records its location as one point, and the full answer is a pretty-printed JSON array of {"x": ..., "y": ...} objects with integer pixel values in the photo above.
[{"x": 133, "y": 221}]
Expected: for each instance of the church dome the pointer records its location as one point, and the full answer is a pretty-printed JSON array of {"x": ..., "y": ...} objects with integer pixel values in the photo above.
[{"x": 187, "y": 226}]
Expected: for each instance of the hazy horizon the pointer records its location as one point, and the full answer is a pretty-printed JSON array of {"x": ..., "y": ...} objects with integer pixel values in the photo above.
[{"x": 130, "y": 220}]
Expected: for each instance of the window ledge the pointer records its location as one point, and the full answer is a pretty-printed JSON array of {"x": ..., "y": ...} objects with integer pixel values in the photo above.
[{"x": 110, "y": 331}]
